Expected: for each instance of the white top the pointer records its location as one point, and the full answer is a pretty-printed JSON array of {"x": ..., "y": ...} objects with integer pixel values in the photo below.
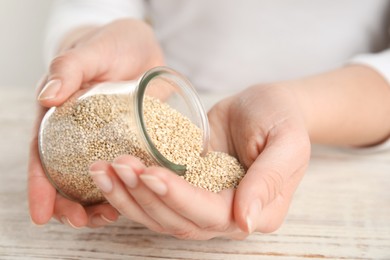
[{"x": 227, "y": 45}]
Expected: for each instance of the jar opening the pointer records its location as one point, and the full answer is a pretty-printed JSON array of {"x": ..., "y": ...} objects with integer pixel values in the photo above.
[{"x": 171, "y": 88}]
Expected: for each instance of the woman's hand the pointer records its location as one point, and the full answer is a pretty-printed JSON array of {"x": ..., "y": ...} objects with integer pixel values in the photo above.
[
  {"x": 263, "y": 127},
  {"x": 122, "y": 50}
]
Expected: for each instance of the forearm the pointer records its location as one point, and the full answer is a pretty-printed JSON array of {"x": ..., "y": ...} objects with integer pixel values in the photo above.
[{"x": 349, "y": 106}]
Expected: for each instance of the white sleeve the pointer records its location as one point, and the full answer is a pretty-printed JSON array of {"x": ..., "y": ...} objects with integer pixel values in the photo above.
[
  {"x": 70, "y": 14},
  {"x": 377, "y": 61}
]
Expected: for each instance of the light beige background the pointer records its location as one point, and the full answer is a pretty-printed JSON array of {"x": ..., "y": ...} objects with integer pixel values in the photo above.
[{"x": 22, "y": 26}]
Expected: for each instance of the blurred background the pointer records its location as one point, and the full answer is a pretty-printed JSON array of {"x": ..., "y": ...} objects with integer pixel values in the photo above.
[{"x": 22, "y": 27}]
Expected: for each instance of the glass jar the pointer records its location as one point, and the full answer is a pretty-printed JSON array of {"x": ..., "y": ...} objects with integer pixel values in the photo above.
[{"x": 108, "y": 120}]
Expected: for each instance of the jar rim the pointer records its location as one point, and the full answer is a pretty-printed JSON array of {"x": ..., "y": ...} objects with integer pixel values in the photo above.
[{"x": 191, "y": 97}]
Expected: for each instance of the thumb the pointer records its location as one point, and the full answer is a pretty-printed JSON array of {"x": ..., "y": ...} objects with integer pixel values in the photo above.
[
  {"x": 263, "y": 196},
  {"x": 67, "y": 72}
]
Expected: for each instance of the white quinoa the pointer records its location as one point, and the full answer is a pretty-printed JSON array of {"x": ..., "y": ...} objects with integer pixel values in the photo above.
[
  {"x": 180, "y": 141},
  {"x": 100, "y": 127}
]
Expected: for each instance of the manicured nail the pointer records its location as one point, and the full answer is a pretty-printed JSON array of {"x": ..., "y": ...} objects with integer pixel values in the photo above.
[
  {"x": 126, "y": 174},
  {"x": 253, "y": 214},
  {"x": 100, "y": 220},
  {"x": 35, "y": 224},
  {"x": 106, "y": 219},
  {"x": 50, "y": 90},
  {"x": 249, "y": 225},
  {"x": 102, "y": 180},
  {"x": 155, "y": 184},
  {"x": 66, "y": 221}
]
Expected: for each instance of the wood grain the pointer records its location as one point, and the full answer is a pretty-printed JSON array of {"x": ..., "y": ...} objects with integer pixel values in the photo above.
[{"x": 340, "y": 211}]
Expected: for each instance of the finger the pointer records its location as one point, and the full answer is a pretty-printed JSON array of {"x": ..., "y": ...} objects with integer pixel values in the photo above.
[
  {"x": 68, "y": 72},
  {"x": 207, "y": 210},
  {"x": 282, "y": 161},
  {"x": 272, "y": 216},
  {"x": 128, "y": 168},
  {"x": 101, "y": 215},
  {"x": 172, "y": 222},
  {"x": 69, "y": 212},
  {"x": 41, "y": 194},
  {"x": 219, "y": 130},
  {"x": 152, "y": 196},
  {"x": 118, "y": 196}
]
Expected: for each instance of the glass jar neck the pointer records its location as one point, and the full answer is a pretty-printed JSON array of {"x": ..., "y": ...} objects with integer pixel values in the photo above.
[{"x": 192, "y": 102}]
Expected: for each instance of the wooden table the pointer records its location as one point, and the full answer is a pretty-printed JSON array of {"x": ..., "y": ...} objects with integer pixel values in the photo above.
[{"x": 340, "y": 211}]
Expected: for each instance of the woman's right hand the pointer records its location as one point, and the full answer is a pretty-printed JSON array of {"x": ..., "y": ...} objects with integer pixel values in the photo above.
[{"x": 121, "y": 50}]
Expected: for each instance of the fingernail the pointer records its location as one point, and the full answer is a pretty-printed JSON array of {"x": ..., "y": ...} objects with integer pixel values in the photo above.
[
  {"x": 249, "y": 225},
  {"x": 66, "y": 221},
  {"x": 35, "y": 224},
  {"x": 253, "y": 214},
  {"x": 50, "y": 90},
  {"x": 100, "y": 220},
  {"x": 136, "y": 165},
  {"x": 155, "y": 184},
  {"x": 126, "y": 174},
  {"x": 102, "y": 180}
]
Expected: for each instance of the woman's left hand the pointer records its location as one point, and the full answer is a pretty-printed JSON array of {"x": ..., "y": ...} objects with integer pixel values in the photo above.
[{"x": 264, "y": 128}]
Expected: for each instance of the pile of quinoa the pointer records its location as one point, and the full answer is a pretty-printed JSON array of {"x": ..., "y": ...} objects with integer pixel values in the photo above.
[{"x": 100, "y": 127}]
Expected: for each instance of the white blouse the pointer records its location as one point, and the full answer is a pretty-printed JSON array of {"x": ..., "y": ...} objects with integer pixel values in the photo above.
[{"x": 228, "y": 45}]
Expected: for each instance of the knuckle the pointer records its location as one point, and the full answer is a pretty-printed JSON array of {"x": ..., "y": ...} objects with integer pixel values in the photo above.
[
  {"x": 66, "y": 60},
  {"x": 182, "y": 206},
  {"x": 184, "y": 231},
  {"x": 59, "y": 61},
  {"x": 218, "y": 226},
  {"x": 185, "y": 234},
  {"x": 253, "y": 148},
  {"x": 154, "y": 227},
  {"x": 148, "y": 205},
  {"x": 121, "y": 206}
]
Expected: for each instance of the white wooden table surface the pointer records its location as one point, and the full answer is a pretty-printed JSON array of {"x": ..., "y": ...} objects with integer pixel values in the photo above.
[{"x": 340, "y": 211}]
